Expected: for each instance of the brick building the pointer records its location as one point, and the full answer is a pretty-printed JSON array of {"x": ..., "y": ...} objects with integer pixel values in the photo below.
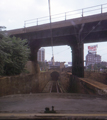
[
  {"x": 92, "y": 59},
  {"x": 58, "y": 65}
]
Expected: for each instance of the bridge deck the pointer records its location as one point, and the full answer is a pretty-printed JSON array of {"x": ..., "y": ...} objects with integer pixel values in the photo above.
[{"x": 65, "y": 23}]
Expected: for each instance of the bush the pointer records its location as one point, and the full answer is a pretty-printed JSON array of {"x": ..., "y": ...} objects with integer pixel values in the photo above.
[{"x": 14, "y": 54}]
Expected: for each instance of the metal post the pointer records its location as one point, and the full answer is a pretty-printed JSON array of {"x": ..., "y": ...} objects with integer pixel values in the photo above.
[
  {"x": 24, "y": 24},
  {"x": 37, "y": 21},
  {"x": 65, "y": 16},
  {"x": 82, "y": 12},
  {"x": 101, "y": 9},
  {"x": 51, "y": 30}
]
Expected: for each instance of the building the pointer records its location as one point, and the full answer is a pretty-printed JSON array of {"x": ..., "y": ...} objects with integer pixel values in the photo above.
[
  {"x": 41, "y": 55},
  {"x": 70, "y": 63},
  {"x": 92, "y": 59},
  {"x": 104, "y": 63},
  {"x": 58, "y": 65}
]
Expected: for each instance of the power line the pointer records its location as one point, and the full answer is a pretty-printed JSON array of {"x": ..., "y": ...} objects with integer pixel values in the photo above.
[
  {"x": 58, "y": 52},
  {"x": 62, "y": 51},
  {"x": 51, "y": 29}
]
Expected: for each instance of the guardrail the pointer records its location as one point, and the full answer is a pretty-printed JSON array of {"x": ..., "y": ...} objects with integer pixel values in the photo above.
[{"x": 99, "y": 9}]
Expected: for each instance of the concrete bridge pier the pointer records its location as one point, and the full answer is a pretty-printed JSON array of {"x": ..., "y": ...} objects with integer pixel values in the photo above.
[
  {"x": 36, "y": 69},
  {"x": 77, "y": 60}
]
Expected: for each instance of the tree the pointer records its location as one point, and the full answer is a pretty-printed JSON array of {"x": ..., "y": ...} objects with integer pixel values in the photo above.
[
  {"x": 14, "y": 54},
  {"x": 99, "y": 66},
  {"x": 89, "y": 67}
]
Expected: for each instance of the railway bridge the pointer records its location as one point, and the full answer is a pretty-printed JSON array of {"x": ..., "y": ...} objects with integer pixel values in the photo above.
[
  {"x": 28, "y": 97},
  {"x": 71, "y": 32}
]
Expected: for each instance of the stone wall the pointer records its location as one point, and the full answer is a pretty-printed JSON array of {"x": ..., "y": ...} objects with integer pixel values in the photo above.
[
  {"x": 23, "y": 84},
  {"x": 88, "y": 86},
  {"x": 73, "y": 84},
  {"x": 29, "y": 67},
  {"x": 77, "y": 85},
  {"x": 44, "y": 77},
  {"x": 100, "y": 77},
  {"x": 64, "y": 80}
]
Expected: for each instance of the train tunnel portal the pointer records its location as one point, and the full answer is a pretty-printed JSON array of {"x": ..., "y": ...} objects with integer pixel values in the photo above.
[{"x": 55, "y": 75}]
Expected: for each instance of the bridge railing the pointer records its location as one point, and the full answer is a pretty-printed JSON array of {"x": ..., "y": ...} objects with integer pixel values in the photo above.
[{"x": 99, "y": 9}]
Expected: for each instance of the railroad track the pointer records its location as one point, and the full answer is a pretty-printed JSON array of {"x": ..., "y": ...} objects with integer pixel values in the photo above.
[{"x": 55, "y": 87}]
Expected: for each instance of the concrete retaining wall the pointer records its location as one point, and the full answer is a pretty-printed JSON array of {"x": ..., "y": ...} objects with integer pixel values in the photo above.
[
  {"x": 65, "y": 80},
  {"x": 44, "y": 77},
  {"x": 100, "y": 77},
  {"x": 23, "y": 84},
  {"x": 77, "y": 85},
  {"x": 73, "y": 84}
]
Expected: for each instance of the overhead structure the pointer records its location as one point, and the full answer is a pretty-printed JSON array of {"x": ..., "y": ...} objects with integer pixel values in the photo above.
[{"x": 73, "y": 32}]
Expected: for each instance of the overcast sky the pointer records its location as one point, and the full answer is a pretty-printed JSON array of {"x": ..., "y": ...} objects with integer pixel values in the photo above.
[{"x": 13, "y": 13}]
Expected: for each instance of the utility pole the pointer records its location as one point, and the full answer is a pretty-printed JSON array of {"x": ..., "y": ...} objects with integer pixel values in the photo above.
[
  {"x": 51, "y": 32},
  {"x": 2, "y": 27}
]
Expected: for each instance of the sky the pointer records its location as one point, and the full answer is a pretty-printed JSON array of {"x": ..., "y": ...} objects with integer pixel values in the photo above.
[{"x": 13, "y": 13}]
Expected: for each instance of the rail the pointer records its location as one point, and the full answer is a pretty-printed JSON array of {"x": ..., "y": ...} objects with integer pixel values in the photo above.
[
  {"x": 99, "y": 9},
  {"x": 55, "y": 88}
]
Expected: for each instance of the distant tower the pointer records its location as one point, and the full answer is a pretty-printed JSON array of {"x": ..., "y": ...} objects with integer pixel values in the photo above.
[
  {"x": 41, "y": 55},
  {"x": 52, "y": 60}
]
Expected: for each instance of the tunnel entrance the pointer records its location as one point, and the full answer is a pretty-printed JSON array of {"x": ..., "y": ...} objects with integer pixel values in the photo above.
[{"x": 55, "y": 75}]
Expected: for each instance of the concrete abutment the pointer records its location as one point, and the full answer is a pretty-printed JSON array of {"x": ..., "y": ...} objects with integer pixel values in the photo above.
[
  {"x": 77, "y": 60},
  {"x": 23, "y": 84},
  {"x": 36, "y": 69},
  {"x": 74, "y": 84}
]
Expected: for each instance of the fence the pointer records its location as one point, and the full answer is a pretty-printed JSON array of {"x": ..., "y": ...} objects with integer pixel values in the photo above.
[{"x": 99, "y": 9}]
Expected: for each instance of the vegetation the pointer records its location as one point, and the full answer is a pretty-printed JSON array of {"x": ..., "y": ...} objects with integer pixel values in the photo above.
[
  {"x": 97, "y": 67},
  {"x": 14, "y": 54}
]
